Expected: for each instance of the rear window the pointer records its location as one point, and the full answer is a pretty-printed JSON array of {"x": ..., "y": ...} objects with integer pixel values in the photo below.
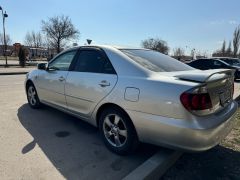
[
  {"x": 155, "y": 61},
  {"x": 232, "y": 61}
]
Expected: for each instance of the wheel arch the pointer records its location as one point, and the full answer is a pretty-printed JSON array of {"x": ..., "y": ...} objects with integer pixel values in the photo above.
[
  {"x": 111, "y": 105},
  {"x": 28, "y": 82}
]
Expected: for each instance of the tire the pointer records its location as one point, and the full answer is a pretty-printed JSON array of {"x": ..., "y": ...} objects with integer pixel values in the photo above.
[
  {"x": 32, "y": 97},
  {"x": 117, "y": 131}
]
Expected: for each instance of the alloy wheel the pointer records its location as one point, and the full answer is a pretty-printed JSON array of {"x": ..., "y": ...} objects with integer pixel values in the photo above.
[
  {"x": 115, "y": 130},
  {"x": 32, "y": 95}
]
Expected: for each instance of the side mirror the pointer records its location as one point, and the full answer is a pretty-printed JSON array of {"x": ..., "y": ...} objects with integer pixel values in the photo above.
[{"x": 42, "y": 66}]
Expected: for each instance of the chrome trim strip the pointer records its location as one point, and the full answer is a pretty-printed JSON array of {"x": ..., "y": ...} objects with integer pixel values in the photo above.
[{"x": 80, "y": 98}]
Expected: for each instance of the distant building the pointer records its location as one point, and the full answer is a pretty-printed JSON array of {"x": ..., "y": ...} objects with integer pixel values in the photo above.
[
  {"x": 32, "y": 52},
  {"x": 8, "y": 52}
]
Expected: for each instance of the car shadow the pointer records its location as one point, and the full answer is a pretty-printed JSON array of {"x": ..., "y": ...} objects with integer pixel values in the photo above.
[
  {"x": 74, "y": 147},
  {"x": 217, "y": 163}
]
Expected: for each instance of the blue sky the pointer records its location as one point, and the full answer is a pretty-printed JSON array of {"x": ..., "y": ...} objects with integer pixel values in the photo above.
[{"x": 200, "y": 24}]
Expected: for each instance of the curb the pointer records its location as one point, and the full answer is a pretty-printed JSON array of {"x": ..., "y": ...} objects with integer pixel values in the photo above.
[
  {"x": 17, "y": 65},
  {"x": 13, "y": 73},
  {"x": 156, "y": 166}
]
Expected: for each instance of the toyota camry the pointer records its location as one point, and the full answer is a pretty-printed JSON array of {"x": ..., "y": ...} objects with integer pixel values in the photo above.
[{"x": 137, "y": 95}]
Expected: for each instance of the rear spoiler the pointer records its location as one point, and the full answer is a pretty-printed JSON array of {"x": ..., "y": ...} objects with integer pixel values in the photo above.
[{"x": 205, "y": 76}]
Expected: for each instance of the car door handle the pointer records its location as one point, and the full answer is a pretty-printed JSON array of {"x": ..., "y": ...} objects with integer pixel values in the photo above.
[
  {"x": 104, "y": 83},
  {"x": 61, "y": 78}
]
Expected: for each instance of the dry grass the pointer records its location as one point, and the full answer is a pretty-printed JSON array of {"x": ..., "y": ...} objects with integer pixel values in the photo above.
[{"x": 232, "y": 141}]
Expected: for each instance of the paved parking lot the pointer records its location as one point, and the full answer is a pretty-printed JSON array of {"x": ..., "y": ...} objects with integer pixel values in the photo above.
[{"x": 49, "y": 144}]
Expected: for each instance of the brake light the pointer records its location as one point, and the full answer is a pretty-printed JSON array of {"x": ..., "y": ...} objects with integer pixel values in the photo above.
[{"x": 200, "y": 101}]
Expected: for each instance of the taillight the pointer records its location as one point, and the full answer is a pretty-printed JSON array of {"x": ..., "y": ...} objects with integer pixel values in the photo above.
[{"x": 200, "y": 101}]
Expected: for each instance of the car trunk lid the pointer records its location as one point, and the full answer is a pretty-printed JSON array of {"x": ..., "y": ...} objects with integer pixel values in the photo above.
[{"x": 218, "y": 83}]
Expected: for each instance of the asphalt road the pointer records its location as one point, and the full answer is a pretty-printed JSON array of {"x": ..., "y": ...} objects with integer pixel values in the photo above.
[{"x": 49, "y": 144}]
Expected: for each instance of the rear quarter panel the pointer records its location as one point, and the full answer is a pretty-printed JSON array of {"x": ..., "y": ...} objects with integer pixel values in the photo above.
[{"x": 158, "y": 97}]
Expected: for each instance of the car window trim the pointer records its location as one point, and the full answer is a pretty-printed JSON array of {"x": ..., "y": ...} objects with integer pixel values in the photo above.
[
  {"x": 222, "y": 64},
  {"x": 81, "y": 49},
  {"x": 61, "y": 54}
]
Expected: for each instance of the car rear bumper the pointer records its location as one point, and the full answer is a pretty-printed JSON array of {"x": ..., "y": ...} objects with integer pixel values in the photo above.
[{"x": 180, "y": 134}]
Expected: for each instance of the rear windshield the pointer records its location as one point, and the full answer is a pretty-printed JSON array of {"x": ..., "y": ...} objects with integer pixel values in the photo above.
[{"x": 155, "y": 61}]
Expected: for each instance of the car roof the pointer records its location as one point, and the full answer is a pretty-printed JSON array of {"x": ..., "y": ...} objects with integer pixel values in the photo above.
[
  {"x": 223, "y": 58},
  {"x": 206, "y": 59},
  {"x": 218, "y": 59},
  {"x": 212, "y": 59},
  {"x": 109, "y": 47},
  {"x": 122, "y": 63}
]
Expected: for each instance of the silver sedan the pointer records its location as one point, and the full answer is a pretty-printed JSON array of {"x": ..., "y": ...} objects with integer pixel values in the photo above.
[{"x": 137, "y": 95}]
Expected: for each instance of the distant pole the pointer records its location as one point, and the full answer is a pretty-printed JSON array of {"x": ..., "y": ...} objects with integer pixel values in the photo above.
[
  {"x": 194, "y": 54},
  {"x": 4, "y": 15},
  {"x": 187, "y": 49}
]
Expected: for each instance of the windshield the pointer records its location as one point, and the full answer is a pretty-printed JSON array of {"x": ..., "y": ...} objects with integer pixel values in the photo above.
[
  {"x": 155, "y": 61},
  {"x": 232, "y": 61}
]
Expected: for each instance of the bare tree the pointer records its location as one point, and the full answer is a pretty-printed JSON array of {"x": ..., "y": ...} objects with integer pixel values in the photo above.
[
  {"x": 221, "y": 52},
  {"x": 7, "y": 38},
  {"x": 201, "y": 54},
  {"x": 178, "y": 53},
  {"x": 223, "y": 49},
  {"x": 156, "y": 44},
  {"x": 58, "y": 30},
  {"x": 28, "y": 40},
  {"x": 34, "y": 39},
  {"x": 236, "y": 41},
  {"x": 229, "y": 49}
]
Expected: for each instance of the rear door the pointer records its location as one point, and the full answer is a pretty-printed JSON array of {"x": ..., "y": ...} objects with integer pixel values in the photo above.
[{"x": 91, "y": 79}]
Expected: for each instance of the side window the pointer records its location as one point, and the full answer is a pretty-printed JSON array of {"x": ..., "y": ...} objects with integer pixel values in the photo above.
[
  {"x": 200, "y": 64},
  {"x": 217, "y": 64},
  {"x": 208, "y": 64},
  {"x": 197, "y": 64},
  {"x": 94, "y": 62},
  {"x": 63, "y": 61}
]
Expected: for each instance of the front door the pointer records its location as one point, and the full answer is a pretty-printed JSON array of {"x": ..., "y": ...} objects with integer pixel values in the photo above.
[{"x": 51, "y": 83}]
